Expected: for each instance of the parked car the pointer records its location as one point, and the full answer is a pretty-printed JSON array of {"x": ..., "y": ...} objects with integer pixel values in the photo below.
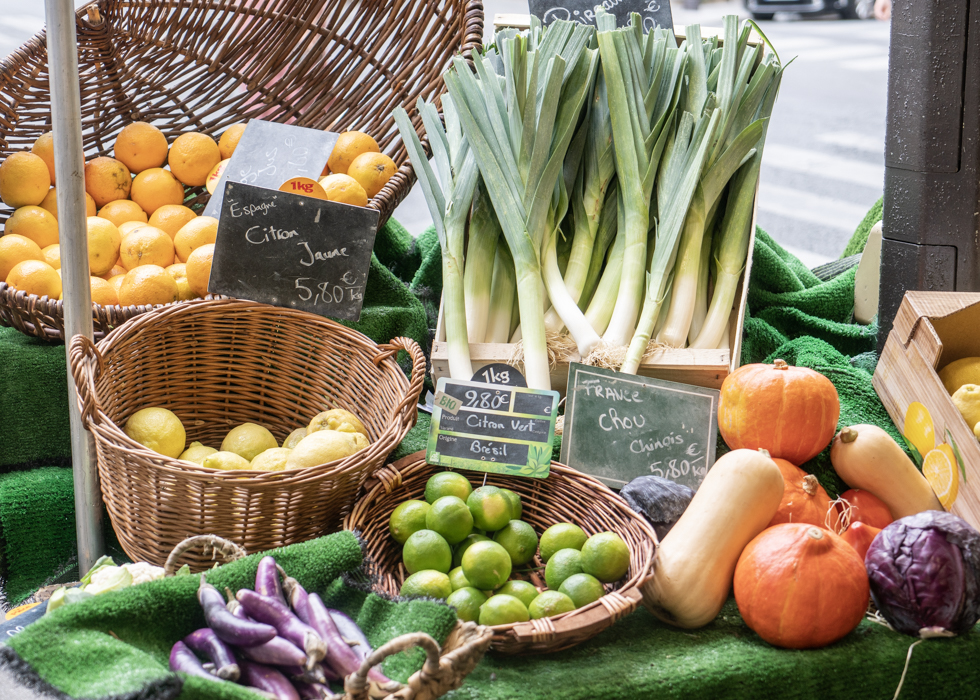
[{"x": 847, "y": 9}]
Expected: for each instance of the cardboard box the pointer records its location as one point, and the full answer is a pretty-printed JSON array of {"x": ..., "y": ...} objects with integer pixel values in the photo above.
[{"x": 931, "y": 330}]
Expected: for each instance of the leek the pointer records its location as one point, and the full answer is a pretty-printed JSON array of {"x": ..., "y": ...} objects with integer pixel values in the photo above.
[
  {"x": 478, "y": 273},
  {"x": 601, "y": 307},
  {"x": 604, "y": 237},
  {"x": 503, "y": 292}
]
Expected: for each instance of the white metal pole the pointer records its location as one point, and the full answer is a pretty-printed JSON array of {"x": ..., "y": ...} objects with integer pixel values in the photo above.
[{"x": 66, "y": 116}]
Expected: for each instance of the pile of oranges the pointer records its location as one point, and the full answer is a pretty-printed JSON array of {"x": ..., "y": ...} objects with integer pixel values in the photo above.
[
  {"x": 357, "y": 169},
  {"x": 144, "y": 245}
]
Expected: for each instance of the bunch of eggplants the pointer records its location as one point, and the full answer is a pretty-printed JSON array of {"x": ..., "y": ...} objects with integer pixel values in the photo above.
[{"x": 278, "y": 639}]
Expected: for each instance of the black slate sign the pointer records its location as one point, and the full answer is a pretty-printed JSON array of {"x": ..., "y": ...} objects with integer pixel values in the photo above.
[
  {"x": 268, "y": 154},
  {"x": 620, "y": 426},
  {"x": 293, "y": 251},
  {"x": 655, "y": 13}
]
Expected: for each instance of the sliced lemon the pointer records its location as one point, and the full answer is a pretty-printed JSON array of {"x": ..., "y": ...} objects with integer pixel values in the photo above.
[
  {"x": 919, "y": 428},
  {"x": 939, "y": 469}
]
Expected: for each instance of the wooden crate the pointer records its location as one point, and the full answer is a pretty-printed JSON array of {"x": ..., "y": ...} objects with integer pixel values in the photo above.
[{"x": 931, "y": 330}]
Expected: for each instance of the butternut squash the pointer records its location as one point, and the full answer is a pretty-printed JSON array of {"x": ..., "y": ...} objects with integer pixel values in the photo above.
[
  {"x": 695, "y": 562},
  {"x": 866, "y": 457}
]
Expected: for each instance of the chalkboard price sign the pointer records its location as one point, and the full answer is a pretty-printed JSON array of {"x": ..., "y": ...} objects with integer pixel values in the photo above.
[
  {"x": 293, "y": 251},
  {"x": 619, "y": 426},
  {"x": 492, "y": 428},
  {"x": 654, "y": 13}
]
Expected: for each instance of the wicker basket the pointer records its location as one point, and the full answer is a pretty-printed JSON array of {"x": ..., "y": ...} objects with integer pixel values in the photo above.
[
  {"x": 217, "y": 364},
  {"x": 566, "y": 495},
  {"x": 206, "y": 64}
]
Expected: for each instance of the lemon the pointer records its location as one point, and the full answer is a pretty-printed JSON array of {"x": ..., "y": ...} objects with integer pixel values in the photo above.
[
  {"x": 196, "y": 452},
  {"x": 458, "y": 578},
  {"x": 976, "y": 431},
  {"x": 520, "y": 541},
  {"x": 325, "y": 446},
  {"x": 248, "y": 440},
  {"x": 522, "y": 590},
  {"x": 919, "y": 428},
  {"x": 486, "y": 565},
  {"x": 226, "y": 461},
  {"x": 582, "y": 589},
  {"x": 447, "y": 484},
  {"x": 407, "y": 519},
  {"x": 550, "y": 603},
  {"x": 963, "y": 371},
  {"x": 503, "y": 610},
  {"x": 939, "y": 469},
  {"x": 563, "y": 564},
  {"x": 467, "y": 601},
  {"x": 491, "y": 509},
  {"x": 432, "y": 584},
  {"x": 271, "y": 460},
  {"x": 450, "y": 517},
  {"x": 337, "y": 419},
  {"x": 426, "y": 549},
  {"x": 967, "y": 400},
  {"x": 561, "y": 536},
  {"x": 605, "y": 556},
  {"x": 461, "y": 548},
  {"x": 294, "y": 437},
  {"x": 157, "y": 429}
]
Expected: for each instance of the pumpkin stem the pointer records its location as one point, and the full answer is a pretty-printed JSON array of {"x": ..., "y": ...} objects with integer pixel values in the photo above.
[
  {"x": 848, "y": 435},
  {"x": 764, "y": 451},
  {"x": 810, "y": 484},
  {"x": 780, "y": 364},
  {"x": 815, "y": 533}
]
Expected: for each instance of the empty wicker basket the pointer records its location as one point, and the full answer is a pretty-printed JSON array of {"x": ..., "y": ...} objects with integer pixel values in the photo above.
[
  {"x": 217, "y": 364},
  {"x": 565, "y": 496},
  {"x": 202, "y": 65}
]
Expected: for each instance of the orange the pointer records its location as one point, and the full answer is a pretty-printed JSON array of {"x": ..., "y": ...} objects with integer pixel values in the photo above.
[
  {"x": 129, "y": 227},
  {"x": 15, "y": 249},
  {"x": 372, "y": 170},
  {"x": 349, "y": 146},
  {"x": 171, "y": 217},
  {"x": 43, "y": 148},
  {"x": 116, "y": 281},
  {"x": 103, "y": 245},
  {"x": 155, "y": 188},
  {"x": 116, "y": 271},
  {"x": 52, "y": 255},
  {"x": 35, "y": 277},
  {"x": 194, "y": 234},
  {"x": 229, "y": 140},
  {"x": 146, "y": 246},
  {"x": 107, "y": 180},
  {"x": 50, "y": 202},
  {"x": 24, "y": 180},
  {"x": 122, "y": 210},
  {"x": 199, "y": 269},
  {"x": 102, "y": 292},
  {"x": 345, "y": 189},
  {"x": 192, "y": 157},
  {"x": 179, "y": 272},
  {"x": 141, "y": 146},
  {"x": 147, "y": 285},
  {"x": 35, "y": 223}
]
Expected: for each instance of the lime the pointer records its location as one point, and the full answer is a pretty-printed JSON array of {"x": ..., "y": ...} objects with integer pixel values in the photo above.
[
  {"x": 248, "y": 440},
  {"x": 465, "y": 544},
  {"x": 606, "y": 557},
  {"x": 550, "y": 603},
  {"x": 491, "y": 509},
  {"x": 564, "y": 563},
  {"x": 450, "y": 517},
  {"x": 522, "y": 590},
  {"x": 447, "y": 484},
  {"x": 458, "y": 579},
  {"x": 407, "y": 519},
  {"x": 582, "y": 589},
  {"x": 433, "y": 584},
  {"x": 516, "y": 509},
  {"x": 426, "y": 549},
  {"x": 467, "y": 602},
  {"x": 520, "y": 541},
  {"x": 561, "y": 536},
  {"x": 486, "y": 565},
  {"x": 503, "y": 610},
  {"x": 157, "y": 429}
]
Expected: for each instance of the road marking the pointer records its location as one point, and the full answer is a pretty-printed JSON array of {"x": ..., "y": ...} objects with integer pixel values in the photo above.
[
  {"x": 801, "y": 160},
  {"x": 867, "y": 65},
  {"x": 852, "y": 139},
  {"x": 812, "y": 208}
]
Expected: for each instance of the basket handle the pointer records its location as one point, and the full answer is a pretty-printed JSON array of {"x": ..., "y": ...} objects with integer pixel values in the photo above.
[
  {"x": 357, "y": 685},
  {"x": 615, "y": 605},
  {"x": 406, "y": 408},
  {"x": 228, "y": 550},
  {"x": 82, "y": 355}
]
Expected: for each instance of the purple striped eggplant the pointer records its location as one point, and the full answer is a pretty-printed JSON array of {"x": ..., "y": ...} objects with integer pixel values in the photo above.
[
  {"x": 268, "y": 680},
  {"x": 276, "y": 652},
  {"x": 314, "y": 675},
  {"x": 297, "y": 599},
  {"x": 206, "y": 642},
  {"x": 267, "y": 581},
  {"x": 312, "y": 691},
  {"x": 276, "y": 613},
  {"x": 184, "y": 660},
  {"x": 352, "y": 634},
  {"x": 229, "y": 628}
]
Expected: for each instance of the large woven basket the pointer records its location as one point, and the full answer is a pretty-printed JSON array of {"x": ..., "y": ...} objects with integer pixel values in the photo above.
[
  {"x": 206, "y": 64},
  {"x": 217, "y": 364},
  {"x": 565, "y": 496}
]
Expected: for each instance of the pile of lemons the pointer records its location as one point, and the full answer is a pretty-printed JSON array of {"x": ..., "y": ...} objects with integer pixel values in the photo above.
[{"x": 331, "y": 435}]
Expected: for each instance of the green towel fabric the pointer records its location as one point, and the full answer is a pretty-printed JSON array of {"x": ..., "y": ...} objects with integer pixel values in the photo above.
[{"x": 119, "y": 643}]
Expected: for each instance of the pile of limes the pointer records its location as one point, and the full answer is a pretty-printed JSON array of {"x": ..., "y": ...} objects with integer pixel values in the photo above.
[{"x": 462, "y": 544}]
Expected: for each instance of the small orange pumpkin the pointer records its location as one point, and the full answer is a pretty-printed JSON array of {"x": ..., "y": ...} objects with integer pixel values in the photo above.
[
  {"x": 866, "y": 508},
  {"x": 798, "y": 586},
  {"x": 804, "y": 499},
  {"x": 789, "y": 411},
  {"x": 860, "y": 535}
]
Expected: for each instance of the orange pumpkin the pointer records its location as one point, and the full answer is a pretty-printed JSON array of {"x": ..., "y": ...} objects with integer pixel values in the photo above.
[
  {"x": 804, "y": 499},
  {"x": 860, "y": 535},
  {"x": 789, "y": 411},
  {"x": 800, "y": 587},
  {"x": 866, "y": 508}
]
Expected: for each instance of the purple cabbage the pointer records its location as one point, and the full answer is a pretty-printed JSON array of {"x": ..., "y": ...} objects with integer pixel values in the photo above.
[{"x": 924, "y": 572}]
